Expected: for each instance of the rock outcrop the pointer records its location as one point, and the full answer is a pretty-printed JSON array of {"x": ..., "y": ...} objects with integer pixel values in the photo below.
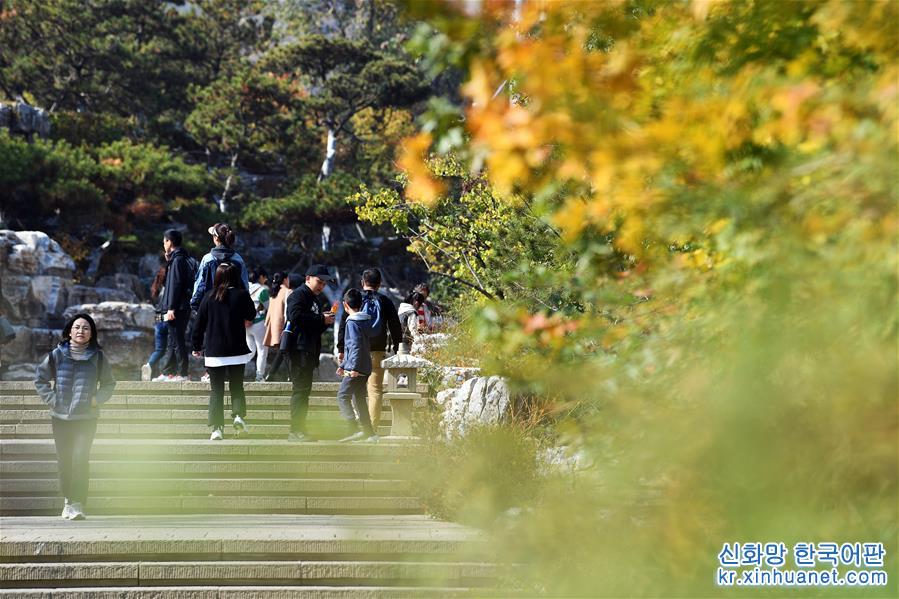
[
  {"x": 36, "y": 284},
  {"x": 479, "y": 401}
]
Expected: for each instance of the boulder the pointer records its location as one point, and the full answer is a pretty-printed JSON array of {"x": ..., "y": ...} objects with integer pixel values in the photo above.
[
  {"x": 117, "y": 316},
  {"x": 30, "y": 344},
  {"x": 35, "y": 299},
  {"x": 22, "y": 371},
  {"x": 480, "y": 400},
  {"x": 85, "y": 294},
  {"x": 33, "y": 253},
  {"x": 130, "y": 284},
  {"x": 125, "y": 330}
]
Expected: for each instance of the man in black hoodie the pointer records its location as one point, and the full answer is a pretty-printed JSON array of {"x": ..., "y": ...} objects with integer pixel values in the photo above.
[
  {"x": 385, "y": 320},
  {"x": 308, "y": 321},
  {"x": 176, "y": 299}
]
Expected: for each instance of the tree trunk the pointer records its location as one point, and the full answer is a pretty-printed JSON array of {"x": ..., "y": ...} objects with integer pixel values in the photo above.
[
  {"x": 330, "y": 152},
  {"x": 223, "y": 202}
]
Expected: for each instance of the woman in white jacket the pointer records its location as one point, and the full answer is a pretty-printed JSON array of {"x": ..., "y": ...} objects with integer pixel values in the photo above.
[{"x": 256, "y": 332}]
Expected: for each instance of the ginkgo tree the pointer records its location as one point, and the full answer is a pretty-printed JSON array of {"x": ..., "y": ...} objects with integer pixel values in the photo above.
[{"x": 735, "y": 376}]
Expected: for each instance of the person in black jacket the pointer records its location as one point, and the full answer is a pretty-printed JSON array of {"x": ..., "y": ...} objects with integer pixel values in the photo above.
[
  {"x": 386, "y": 322},
  {"x": 176, "y": 300},
  {"x": 309, "y": 321},
  {"x": 220, "y": 331}
]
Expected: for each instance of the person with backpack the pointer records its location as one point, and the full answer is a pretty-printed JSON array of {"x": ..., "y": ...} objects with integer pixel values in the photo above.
[
  {"x": 220, "y": 332},
  {"x": 176, "y": 302},
  {"x": 385, "y": 321},
  {"x": 223, "y": 239},
  {"x": 74, "y": 379},
  {"x": 256, "y": 332},
  {"x": 355, "y": 368},
  {"x": 308, "y": 321}
]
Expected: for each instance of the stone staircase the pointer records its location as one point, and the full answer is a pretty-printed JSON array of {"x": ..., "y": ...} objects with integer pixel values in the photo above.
[
  {"x": 172, "y": 514},
  {"x": 152, "y": 456}
]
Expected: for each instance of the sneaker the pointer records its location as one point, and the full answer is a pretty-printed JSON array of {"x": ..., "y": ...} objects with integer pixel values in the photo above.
[
  {"x": 178, "y": 379},
  {"x": 67, "y": 512},
  {"x": 216, "y": 435},
  {"x": 145, "y": 371},
  {"x": 355, "y": 437},
  {"x": 239, "y": 425},
  {"x": 300, "y": 438},
  {"x": 204, "y": 378},
  {"x": 77, "y": 511},
  {"x": 260, "y": 378},
  {"x": 162, "y": 378}
]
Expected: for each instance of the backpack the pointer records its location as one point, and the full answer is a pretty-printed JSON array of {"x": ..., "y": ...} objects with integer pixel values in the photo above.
[
  {"x": 193, "y": 266},
  {"x": 209, "y": 271},
  {"x": 372, "y": 307}
]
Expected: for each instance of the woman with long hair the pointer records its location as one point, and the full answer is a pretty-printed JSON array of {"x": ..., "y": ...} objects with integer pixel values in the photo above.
[
  {"x": 220, "y": 332},
  {"x": 276, "y": 318},
  {"x": 74, "y": 379},
  {"x": 161, "y": 328}
]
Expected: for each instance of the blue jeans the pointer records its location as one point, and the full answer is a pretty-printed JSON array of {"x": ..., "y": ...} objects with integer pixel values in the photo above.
[
  {"x": 161, "y": 338},
  {"x": 354, "y": 389}
]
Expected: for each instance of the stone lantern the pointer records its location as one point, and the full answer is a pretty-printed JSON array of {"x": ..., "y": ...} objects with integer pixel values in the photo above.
[{"x": 402, "y": 389}]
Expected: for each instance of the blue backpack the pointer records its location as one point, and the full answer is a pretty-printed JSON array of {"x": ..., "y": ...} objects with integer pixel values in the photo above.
[{"x": 372, "y": 307}]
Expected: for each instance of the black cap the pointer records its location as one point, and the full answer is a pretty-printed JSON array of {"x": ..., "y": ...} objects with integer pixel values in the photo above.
[{"x": 320, "y": 271}]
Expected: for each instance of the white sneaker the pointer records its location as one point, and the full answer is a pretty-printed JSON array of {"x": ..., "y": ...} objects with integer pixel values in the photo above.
[
  {"x": 67, "y": 512},
  {"x": 77, "y": 511},
  {"x": 145, "y": 372},
  {"x": 178, "y": 379},
  {"x": 368, "y": 439},
  {"x": 216, "y": 435},
  {"x": 357, "y": 436},
  {"x": 204, "y": 378},
  {"x": 162, "y": 378},
  {"x": 239, "y": 425}
]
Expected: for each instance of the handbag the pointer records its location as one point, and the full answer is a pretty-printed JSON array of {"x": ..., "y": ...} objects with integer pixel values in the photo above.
[{"x": 288, "y": 338}]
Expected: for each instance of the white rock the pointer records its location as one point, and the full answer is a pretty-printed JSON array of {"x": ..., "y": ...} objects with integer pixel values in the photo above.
[{"x": 34, "y": 253}]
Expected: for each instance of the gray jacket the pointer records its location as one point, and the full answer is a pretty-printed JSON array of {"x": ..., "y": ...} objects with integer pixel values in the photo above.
[{"x": 68, "y": 385}]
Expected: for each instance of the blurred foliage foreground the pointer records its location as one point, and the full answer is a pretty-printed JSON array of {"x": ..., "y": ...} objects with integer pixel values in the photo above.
[{"x": 716, "y": 328}]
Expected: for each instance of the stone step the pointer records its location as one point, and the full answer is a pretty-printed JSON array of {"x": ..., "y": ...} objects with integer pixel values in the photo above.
[
  {"x": 217, "y": 537},
  {"x": 232, "y": 573},
  {"x": 175, "y": 402},
  {"x": 14, "y": 388},
  {"x": 214, "y": 486},
  {"x": 322, "y": 426},
  {"x": 204, "y": 450},
  {"x": 219, "y": 504},
  {"x": 242, "y": 592},
  {"x": 215, "y": 555},
  {"x": 211, "y": 469},
  {"x": 165, "y": 416}
]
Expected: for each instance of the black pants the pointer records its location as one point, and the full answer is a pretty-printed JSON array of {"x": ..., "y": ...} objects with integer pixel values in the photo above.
[
  {"x": 302, "y": 366},
  {"x": 73, "y": 451},
  {"x": 178, "y": 341},
  {"x": 217, "y": 376}
]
